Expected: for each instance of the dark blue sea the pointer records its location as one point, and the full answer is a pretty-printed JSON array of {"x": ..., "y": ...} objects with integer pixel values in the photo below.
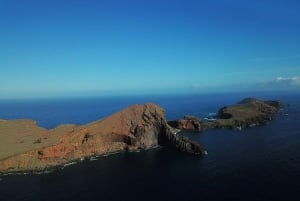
[{"x": 255, "y": 164}]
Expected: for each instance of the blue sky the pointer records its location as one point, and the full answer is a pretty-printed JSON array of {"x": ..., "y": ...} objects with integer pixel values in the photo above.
[{"x": 96, "y": 47}]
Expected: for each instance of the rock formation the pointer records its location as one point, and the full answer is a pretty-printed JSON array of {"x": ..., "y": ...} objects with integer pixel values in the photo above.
[
  {"x": 188, "y": 122},
  {"x": 26, "y": 147},
  {"x": 29, "y": 147},
  {"x": 182, "y": 143}
]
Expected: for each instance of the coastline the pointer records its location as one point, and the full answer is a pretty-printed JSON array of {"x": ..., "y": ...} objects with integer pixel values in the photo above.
[
  {"x": 84, "y": 140},
  {"x": 138, "y": 127}
]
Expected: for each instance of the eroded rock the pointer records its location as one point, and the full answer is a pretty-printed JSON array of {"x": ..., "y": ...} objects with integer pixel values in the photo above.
[
  {"x": 188, "y": 122},
  {"x": 134, "y": 128}
]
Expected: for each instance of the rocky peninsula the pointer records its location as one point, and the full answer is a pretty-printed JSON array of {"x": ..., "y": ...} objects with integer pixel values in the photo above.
[{"x": 28, "y": 147}]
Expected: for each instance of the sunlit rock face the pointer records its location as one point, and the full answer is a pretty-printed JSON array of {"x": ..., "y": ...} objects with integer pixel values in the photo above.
[{"x": 132, "y": 129}]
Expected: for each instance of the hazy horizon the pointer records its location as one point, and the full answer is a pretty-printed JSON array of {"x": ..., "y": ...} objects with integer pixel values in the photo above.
[{"x": 96, "y": 48}]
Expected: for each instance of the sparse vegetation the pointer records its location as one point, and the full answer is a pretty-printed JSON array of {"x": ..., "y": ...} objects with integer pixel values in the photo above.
[{"x": 39, "y": 140}]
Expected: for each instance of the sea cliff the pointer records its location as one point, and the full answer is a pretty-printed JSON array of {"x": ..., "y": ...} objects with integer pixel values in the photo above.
[{"x": 27, "y": 147}]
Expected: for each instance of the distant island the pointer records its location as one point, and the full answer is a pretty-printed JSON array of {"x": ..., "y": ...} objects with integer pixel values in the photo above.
[
  {"x": 247, "y": 113},
  {"x": 24, "y": 146}
]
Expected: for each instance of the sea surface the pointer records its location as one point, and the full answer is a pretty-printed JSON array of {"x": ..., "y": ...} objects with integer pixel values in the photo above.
[{"x": 255, "y": 164}]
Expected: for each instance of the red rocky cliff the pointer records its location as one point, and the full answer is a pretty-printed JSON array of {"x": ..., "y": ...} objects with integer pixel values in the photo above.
[{"x": 134, "y": 128}]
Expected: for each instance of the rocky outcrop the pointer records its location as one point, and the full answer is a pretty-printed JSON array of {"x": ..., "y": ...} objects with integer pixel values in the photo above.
[
  {"x": 246, "y": 113},
  {"x": 134, "y": 128},
  {"x": 182, "y": 143},
  {"x": 188, "y": 122}
]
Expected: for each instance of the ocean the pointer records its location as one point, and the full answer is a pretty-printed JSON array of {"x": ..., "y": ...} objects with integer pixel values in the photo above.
[{"x": 255, "y": 164}]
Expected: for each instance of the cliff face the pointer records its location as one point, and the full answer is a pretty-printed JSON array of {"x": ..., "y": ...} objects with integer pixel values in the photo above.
[
  {"x": 180, "y": 142},
  {"x": 25, "y": 146},
  {"x": 134, "y": 128}
]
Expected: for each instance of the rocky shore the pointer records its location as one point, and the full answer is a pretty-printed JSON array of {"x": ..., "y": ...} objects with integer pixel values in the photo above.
[{"x": 27, "y": 147}]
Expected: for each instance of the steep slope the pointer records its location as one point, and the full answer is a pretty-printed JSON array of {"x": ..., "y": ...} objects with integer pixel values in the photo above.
[{"x": 134, "y": 128}]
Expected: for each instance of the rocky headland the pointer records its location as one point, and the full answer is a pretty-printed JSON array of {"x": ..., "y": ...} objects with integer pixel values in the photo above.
[
  {"x": 28, "y": 147},
  {"x": 24, "y": 146}
]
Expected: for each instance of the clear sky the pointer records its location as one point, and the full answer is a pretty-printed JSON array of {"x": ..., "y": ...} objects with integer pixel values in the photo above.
[{"x": 95, "y": 47}]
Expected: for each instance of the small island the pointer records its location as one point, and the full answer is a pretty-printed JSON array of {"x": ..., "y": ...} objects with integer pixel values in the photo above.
[
  {"x": 247, "y": 113},
  {"x": 28, "y": 147}
]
